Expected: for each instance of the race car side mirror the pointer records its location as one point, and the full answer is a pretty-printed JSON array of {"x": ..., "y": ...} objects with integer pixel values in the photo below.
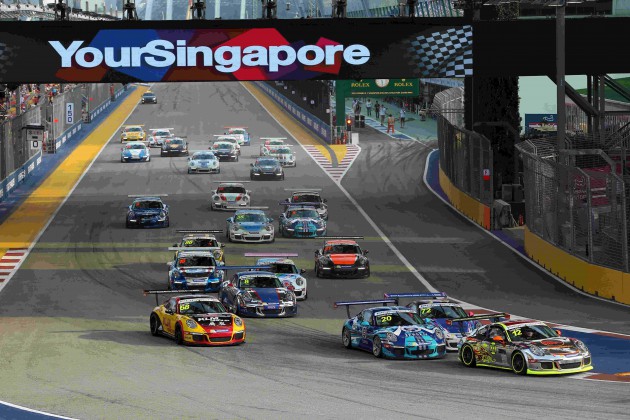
[
  {"x": 365, "y": 252},
  {"x": 559, "y": 332},
  {"x": 222, "y": 245},
  {"x": 325, "y": 200},
  {"x": 249, "y": 192},
  {"x": 497, "y": 339},
  {"x": 251, "y": 164},
  {"x": 302, "y": 271}
]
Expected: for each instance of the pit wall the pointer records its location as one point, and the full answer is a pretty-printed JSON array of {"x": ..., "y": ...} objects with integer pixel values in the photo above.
[
  {"x": 471, "y": 208},
  {"x": 593, "y": 279}
]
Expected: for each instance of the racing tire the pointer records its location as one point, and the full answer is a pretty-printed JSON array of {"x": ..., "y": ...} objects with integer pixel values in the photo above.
[
  {"x": 318, "y": 274},
  {"x": 377, "y": 347},
  {"x": 467, "y": 356},
  {"x": 189, "y": 171},
  {"x": 237, "y": 158},
  {"x": 346, "y": 338},
  {"x": 219, "y": 170},
  {"x": 179, "y": 337},
  {"x": 168, "y": 285},
  {"x": 251, "y": 177},
  {"x": 282, "y": 178},
  {"x": 162, "y": 154},
  {"x": 149, "y": 159},
  {"x": 305, "y": 295},
  {"x": 519, "y": 365},
  {"x": 155, "y": 324},
  {"x": 122, "y": 160},
  {"x": 167, "y": 222},
  {"x": 367, "y": 273}
]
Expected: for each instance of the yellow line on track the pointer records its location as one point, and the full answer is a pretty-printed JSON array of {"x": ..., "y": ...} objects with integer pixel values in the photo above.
[{"x": 21, "y": 228}]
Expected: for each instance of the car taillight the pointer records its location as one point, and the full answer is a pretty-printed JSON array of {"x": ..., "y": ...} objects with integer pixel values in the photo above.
[
  {"x": 238, "y": 197},
  {"x": 230, "y": 285},
  {"x": 223, "y": 197},
  {"x": 290, "y": 287}
]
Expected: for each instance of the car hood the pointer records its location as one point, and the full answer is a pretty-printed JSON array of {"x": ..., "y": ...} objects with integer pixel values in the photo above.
[
  {"x": 209, "y": 321},
  {"x": 301, "y": 221},
  {"x": 135, "y": 152},
  {"x": 269, "y": 295},
  {"x": 343, "y": 259},
  {"x": 417, "y": 333},
  {"x": 557, "y": 346},
  {"x": 266, "y": 168},
  {"x": 251, "y": 226}
]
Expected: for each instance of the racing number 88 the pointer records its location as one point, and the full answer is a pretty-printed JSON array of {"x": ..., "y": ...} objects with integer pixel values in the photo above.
[
  {"x": 189, "y": 242},
  {"x": 184, "y": 306}
]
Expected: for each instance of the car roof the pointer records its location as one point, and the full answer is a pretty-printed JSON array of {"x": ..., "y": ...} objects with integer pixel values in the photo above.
[
  {"x": 194, "y": 152},
  {"x": 435, "y": 301},
  {"x": 256, "y": 274},
  {"x": 263, "y": 261},
  {"x": 248, "y": 211}
]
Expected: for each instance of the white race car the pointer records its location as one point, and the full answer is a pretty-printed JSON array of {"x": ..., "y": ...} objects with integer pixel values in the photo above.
[
  {"x": 286, "y": 271},
  {"x": 157, "y": 136},
  {"x": 228, "y": 139},
  {"x": 203, "y": 161},
  {"x": 230, "y": 196},
  {"x": 243, "y": 137}
]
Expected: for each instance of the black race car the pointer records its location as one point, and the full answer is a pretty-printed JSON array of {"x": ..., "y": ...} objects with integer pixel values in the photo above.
[
  {"x": 266, "y": 167},
  {"x": 149, "y": 98},
  {"x": 174, "y": 146}
]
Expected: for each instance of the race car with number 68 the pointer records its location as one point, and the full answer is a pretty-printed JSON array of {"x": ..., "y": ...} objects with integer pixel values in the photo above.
[
  {"x": 526, "y": 347},
  {"x": 196, "y": 319}
]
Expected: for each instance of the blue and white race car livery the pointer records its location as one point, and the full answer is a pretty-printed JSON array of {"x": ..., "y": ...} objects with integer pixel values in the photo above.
[
  {"x": 258, "y": 294},
  {"x": 290, "y": 276},
  {"x": 147, "y": 211},
  {"x": 443, "y": 312},
  {"x": 301, "y": 222},
  {"x": 194, "y": 270},
  {"x": 203, "y": 161},
  {"x": 394, "y": 332},
  {"x": 250, "y": 226},
  {"x": 135, "y": 151}
]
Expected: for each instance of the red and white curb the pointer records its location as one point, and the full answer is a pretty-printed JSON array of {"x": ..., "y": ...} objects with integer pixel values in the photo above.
[
  {"x": 339, "y": 171},
  {"x": 10, "y": 262}
]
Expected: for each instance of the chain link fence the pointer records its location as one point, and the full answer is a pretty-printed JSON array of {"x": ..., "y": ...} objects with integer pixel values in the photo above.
[
  {"x": 14, "y": 151},
  {"x": 576, "y": 199},
  {"x": 465, "y": 156}
]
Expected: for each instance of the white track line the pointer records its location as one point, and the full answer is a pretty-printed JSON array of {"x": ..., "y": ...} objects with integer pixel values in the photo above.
[{"x": 63, "y": 202}]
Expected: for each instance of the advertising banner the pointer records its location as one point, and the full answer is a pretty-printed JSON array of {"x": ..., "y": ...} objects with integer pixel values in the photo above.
[
  {"x": 541, "y": 122},
  {"x": 384, "y": 87},
  {"x": 233, "y": 50}
]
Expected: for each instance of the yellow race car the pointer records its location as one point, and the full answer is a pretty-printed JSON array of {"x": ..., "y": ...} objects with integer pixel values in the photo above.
[
  {"x": 195, "y": 319},
  {"x": 133, "y": 133}
]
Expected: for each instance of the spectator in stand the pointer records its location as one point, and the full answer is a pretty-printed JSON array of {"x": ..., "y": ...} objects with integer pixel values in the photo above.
[{"x": 368, "y": 107}]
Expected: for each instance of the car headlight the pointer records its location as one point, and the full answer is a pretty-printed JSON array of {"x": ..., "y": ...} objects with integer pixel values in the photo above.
[
  {"x": 238, "y": 321},
  {"x": 392, "y": 337},
  {"x": 191, "y": 323},
  {"x": 162, "y": 216},
  {"x": 235, "y": 228},
  {"x": 439, "y": 334},
  {"x": 580, "y": 345},
  {"x": 537, "y": 350},
  {"x": 290, "y": 297},
  {"x": 268, "y": 228},
  {"x": 362, "y": 261},
  {"x": 278, "y": 170},
  {"x": 248, "y": 297},
  {"x": 300, "y": 281}
]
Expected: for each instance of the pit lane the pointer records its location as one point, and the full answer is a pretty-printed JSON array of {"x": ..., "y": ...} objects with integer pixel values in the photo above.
[{"x": 75, "y": 339}]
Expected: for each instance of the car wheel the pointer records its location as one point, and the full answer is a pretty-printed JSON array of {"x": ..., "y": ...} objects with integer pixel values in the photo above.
[
  {"x": 128, "y": 225},
  {"x": 219, "y": 170},
  {"x": 367, "y": 273},
  {"x": 237, "y": 306},
  {"x": 251, "y": 177},
  {"x": 167, "y": 222},
  {"x": 467, "y": 356},
  {"x": 282, "y": 177},
  {"x": 155, "y": 325},
  {"x": 346, "y": 338},
  {"x": 149, "y": 159},
  {"x": 377, "y": 347},
  {"x": 168, "y": 285},
  {"x": 519, "y": 365},
  {"x": 179, "y": 338},
  {"x": 189, "y": 171},
  {"x": 237, "y": 158},
  {"x": 122, "y": 160},
  {"x": 318, "y": 274},
  {"x": 162, "y": 154},
  {"x": 305, "y": 295}
]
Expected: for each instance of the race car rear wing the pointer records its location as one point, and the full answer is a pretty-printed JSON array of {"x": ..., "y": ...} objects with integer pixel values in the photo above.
[
  {"x": 340, "y": 237},
  {"x": 397, "y": 296},
  {"x": 233, "y": 182},
  {"x": 493, "y": 317},
  {"x": 350, "y": 303},
  {"x": 171, "y": 292},
  {"x": 147, "y": 195},
  {"x": 304, "y": 189},
  {"x": 270, "y": 255},
  {"x": 199, "y": 231}
]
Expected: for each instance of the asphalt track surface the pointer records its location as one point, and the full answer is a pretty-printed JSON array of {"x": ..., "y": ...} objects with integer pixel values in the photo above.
[{"x": 75, "y": 338}]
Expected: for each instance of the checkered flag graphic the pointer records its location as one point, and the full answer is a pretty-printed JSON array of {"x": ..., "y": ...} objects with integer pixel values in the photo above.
[
  {"x": 446, "y": 53},
  {"x": 6, "y": 55}
]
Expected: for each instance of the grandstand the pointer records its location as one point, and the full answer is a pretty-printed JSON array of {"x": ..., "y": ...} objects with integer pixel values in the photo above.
[{"x": 32, "y": 12}]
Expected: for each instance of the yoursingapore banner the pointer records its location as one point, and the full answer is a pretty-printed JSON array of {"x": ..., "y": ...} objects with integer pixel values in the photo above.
[{"x": 232, "y": 50}]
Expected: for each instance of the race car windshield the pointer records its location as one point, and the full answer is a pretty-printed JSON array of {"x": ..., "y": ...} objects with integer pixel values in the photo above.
[
  {"x": 148, "y": 95},
  {"x": 223, "y": 146},
  {"x": 267, "y": 162},
  {"x": 307, "y": 198},
  {"x": 231, "y": 190},
  {"x": 260, "y": 282},
  {"x": 283, "y": 151},
  {"x": 342, "y": 249},
  {"x": 397, "y": 319},
  {"x": 203, "y": 156},
  {"x": 307, "y": 213},
  {"x": 147, "y": 205},
  {"x": 284, "y": 268},
  {"x": 201, "y": 243},
  {"x": 134, "y": 130},
  {"x": 201, "y": 307},
  {"x": 196, "y": 261},
  {"x": 250, "y": 218},
  {"x": 439, "y": 312},
  {"x": 237, "y": 131},
  {"x": 177, "y": 141},
  {"x": 531, "y": 332},
  {"x": 135, "y": 146},
  {"x": 275, "y": 142},
  {"x": 161, "y": 133}
]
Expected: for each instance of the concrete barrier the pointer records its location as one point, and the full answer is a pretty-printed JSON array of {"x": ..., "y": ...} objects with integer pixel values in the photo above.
[{"x": 467, "y": 205}]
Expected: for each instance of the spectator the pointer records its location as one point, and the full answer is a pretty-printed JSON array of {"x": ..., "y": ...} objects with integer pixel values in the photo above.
[
  {"x": 390, "y": 123},
  {"x": 382, "y": 114},
  {"x": 368, "y": 107},
  {"x": 402, "y": 117},
  {"x": 377, "y": 108}
]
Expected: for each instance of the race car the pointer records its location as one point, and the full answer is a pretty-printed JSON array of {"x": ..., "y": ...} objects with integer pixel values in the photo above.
[
  {"x": 147, "y": 211},
  {"x": 135, "y": 151},
  {"x": 225, "y": 151},
  {"x": 301, "y": 222},
  {"x": 258, "y": 294},
  {"x": 230, "y": 196},
  {"x": 157, "y": 136},
  {"x": 288, "y": 273},
  {"x": 443, "y": 312},
  {"x": 266, "y": 168},
  {"x": 271, "y": 149},
  {"x": 306, "y": 197},
  {"x": 195, "y": 319},
  {"x": 202, "y": 239},
  {"x": 229, "y": 139},
  {"x": 286, "y": 156},
  {"x": 249, "y": 226},
  {"x": 194, "y": 270},
  {"x": 393, "y": 332},
  {"x": 148, "y": 97},
  {"x": 241, "y": 134},
  {"x": 133, "y": 133},
  {"x": 342, "y": 258},
  {"x": 525, "y": 347},
  {"x": 273, "y": 141},
  {"x": 174, "y": 146},
  {"x": 203, "y": 161}
]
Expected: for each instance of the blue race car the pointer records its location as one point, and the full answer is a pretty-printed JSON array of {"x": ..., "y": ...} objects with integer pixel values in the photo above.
[
  {"x": 258, "y": 294},
  {"x": 443, "y": 312},
  {"x": 194, "y": 270},
  {"x": 135, "y": 151},
  {"x": 250, "y": 226},
  {"x": 288, "y": 273},
  {"x": 301, "y": 222},
  {"x": 394, "y": 332},
  {"x": 147, "y": 212}
]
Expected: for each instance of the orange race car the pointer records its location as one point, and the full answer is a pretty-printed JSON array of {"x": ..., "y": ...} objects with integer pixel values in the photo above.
[{"x": 342, "y": 258}]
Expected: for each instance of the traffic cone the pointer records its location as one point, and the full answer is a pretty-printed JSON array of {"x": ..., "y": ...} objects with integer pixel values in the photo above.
[{"x": 520, "y": 220}]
